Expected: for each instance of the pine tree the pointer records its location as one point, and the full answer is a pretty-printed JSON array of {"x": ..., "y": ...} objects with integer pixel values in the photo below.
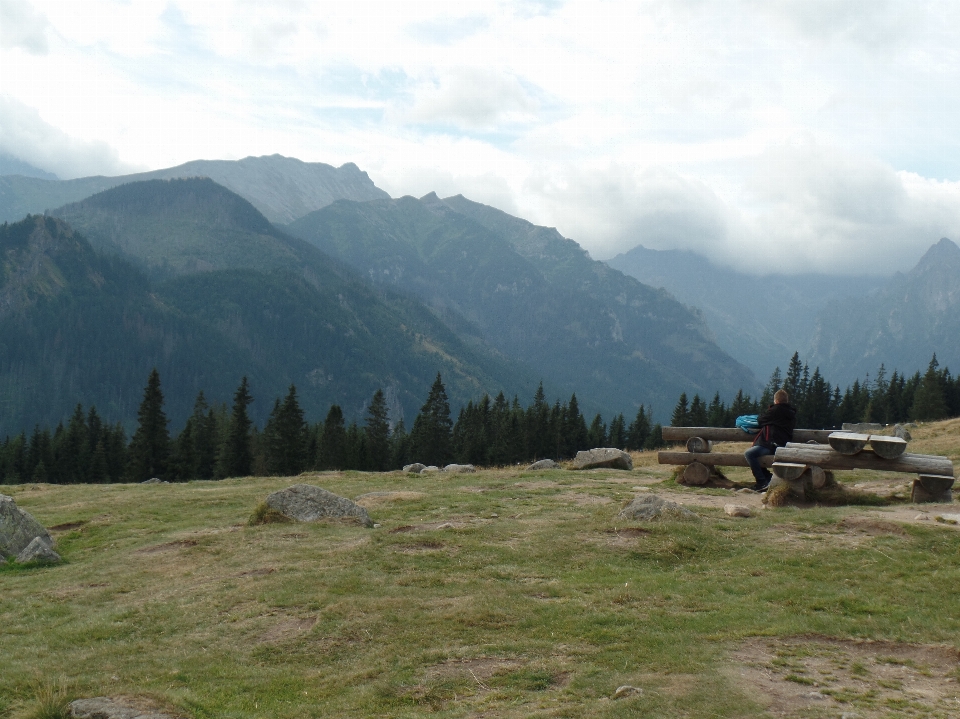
[
  {"x": 150, "y": 445},
  {"x": 716, "y": 412},
  {"x": 618, "y": 432},
  {"x": 378, "y": 433},
  {"x": 236, "y": 455},
  {"x": 698, "y": 412},
  {"x": 206, "y": 438},
  {"x": 597, "y": 433},
  {"x": 638, "y": 430},
  {"x": 574, "y": 429},
  {"x": 655, "y": 438},
  {"x": 929, "y": 402},
  {"x": 333, "y": 441},
  {"x": 681, "y": 413},
  {"x": 399, "y": 446},
  {"x": 430, "y": 439}
]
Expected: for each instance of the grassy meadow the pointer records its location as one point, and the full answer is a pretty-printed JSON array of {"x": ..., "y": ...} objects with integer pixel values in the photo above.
[{"x": 504, "y": 593}]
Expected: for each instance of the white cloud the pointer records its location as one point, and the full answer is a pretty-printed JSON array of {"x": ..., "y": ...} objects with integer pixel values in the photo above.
[
  {"x": 25, "y": 135},
  {"x": 473, "y": 97},
  {"x": 21, "y": 26}
]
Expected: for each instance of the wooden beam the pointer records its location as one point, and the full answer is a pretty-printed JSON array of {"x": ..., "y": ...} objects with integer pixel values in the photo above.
[
  {"x": 888, "y": 447},
  {"x": 712, "y": 459},
  {"x": 732, "y": 434},
  {"x": 788, "y": 470},
  {"x": 829, "y": 459}
]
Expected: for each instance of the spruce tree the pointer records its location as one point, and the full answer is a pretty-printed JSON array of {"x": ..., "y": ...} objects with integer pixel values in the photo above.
[
  {"x": 399, "y": 446},
  {"x": 716, "y": 412},
  {"x": 430, "y": 438},
  {"x": 597, "y": 433},
  {"x": 150, "y": 445},
  {"x": 929, "y": 402},
  {"x": 575, "y": 429},
  {"x": 618, "y": 432},
  {"x": 638, "y": 430},
  {"x": 378, "y": 433},
  {"x": 285, "y": 437},
  {"x": 681, "y": 413},
  {"x": 538, "y": 427},
  {"x": 333, "y": 441},
  {"x": 698, "y": 412},
  {"x": 236, "y": 458}
]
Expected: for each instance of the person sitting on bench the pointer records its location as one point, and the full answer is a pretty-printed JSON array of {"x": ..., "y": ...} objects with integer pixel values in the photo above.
[{"x": 776, "y": 429}]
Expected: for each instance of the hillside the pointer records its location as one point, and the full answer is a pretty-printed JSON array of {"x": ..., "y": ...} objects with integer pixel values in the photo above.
[
  {"x": 533, "y": 295},
  {"x": 759, "y": 320},
  {"x": 80, "y": 327},
  {"x": 911, "y": 317},
  {"x": 282, "y": 188},
  {"x": 505, "y": 593}
]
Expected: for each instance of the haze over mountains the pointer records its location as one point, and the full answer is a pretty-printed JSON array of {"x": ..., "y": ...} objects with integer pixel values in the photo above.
[{"x": 218, "y": 276}]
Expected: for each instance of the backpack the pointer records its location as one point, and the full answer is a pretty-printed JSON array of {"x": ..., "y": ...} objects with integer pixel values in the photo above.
[{"x": 748, "y": 423}]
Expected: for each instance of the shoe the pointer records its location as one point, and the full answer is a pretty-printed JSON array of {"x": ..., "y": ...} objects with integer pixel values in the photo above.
[{"x": 760, "y": 487}]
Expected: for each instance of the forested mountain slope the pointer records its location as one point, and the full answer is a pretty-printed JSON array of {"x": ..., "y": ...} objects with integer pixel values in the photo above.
[
  {"x": 913, "y": 316},
  {"x": 282, "y": 188},
  {"x": 534, "y": 295},
  {"x": 78, "y": 326}
]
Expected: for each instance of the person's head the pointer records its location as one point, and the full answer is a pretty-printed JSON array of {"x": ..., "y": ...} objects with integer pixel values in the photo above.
[{"x": 781, "y": 397}]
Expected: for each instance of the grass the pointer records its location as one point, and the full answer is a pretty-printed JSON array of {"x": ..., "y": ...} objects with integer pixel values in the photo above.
[{"x": 175, "y": 593}]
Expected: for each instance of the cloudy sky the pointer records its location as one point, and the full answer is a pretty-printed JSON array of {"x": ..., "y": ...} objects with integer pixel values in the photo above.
[{"x": 773, "y": 135}]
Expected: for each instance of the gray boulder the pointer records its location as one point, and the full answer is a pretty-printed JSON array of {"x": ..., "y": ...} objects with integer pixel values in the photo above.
[
  {"x": 902, "y": 432},
  {"x": 430, "y": 470},
  {"x": 107, "y": 708},
  {"x": 38, "y": 551},
  {"x": 460, "y": 468},
  {"x": 18, "y": 529},
  {"x": 603, "y": 458},
  {"x": 544, "y": 464},
  {"x": 414, "y": 468},
  {"x": 307, "y": 503},
  {"x": 649, "y": 507}
]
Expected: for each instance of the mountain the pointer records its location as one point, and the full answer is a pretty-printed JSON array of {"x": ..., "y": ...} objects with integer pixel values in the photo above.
[
  {"x": 77, "y": 325},
  {"x": 533, "y": 295},
  {"x": 10, "y": 165},
  {"x": 759, "y": 320},
  {"x": 901, "y": 325},
  {"x": 281, "y": 188}
]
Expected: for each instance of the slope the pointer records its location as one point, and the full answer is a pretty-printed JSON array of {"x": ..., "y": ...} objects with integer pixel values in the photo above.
[
  {"x": 912, "y": 316},
  {"x": 80, "y": 327},
  {"x": 533, "y": 295},
  {"x": 282, "y": 188},
  {"x": 760, "y": 320}
]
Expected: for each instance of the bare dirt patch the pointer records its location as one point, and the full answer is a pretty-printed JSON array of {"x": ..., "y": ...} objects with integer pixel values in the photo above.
[
  {"x": 68, "y": 526},
  {"x": 264, "y": 571},
  {"x": 872, "y": 526},
  {"x": 287, "y": 628},
  {"x": 824, "y": 677},
  {"x": 582, "y": 499},
  {"x": 374, "y": 499},
  {"x": 168, "y": 546}
]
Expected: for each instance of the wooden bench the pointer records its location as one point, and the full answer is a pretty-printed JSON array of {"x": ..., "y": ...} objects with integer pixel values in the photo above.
[{"x": 807, "y": 460}]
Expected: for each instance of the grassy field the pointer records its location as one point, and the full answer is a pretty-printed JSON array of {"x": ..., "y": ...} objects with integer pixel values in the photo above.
[{"x": 504, "y": 593}]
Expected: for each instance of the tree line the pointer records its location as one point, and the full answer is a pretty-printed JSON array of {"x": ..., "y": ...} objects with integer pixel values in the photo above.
[
  {"x": 930, "y": 396},
  {"x": 218, "y": 442}
]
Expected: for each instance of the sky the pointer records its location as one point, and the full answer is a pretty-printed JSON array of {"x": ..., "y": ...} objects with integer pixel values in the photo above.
[{"x": 769, "y": 135}]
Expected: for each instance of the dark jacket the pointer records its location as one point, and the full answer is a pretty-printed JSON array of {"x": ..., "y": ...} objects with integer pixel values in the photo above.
[{"x": 776, "y": 426}]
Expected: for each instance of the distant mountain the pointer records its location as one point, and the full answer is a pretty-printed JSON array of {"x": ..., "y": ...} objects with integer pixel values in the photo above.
[
  {"x": 79, "y": 326},
  {"x": 282, "y": 188},
  {"x": 759, "y": 320},
  {"x": 912, "y": 316},
  {"x": 10, "y": 165},
  {"x": 533, "y": 295}
]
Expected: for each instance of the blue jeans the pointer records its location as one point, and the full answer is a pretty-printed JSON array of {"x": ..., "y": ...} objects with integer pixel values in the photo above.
[{"x": 760, "y": 473}]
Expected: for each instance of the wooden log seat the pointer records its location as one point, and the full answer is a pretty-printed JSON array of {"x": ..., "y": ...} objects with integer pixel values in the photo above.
[{"x": 732, "y": 434}]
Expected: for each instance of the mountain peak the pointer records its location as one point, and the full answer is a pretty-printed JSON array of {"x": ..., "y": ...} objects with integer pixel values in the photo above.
[{"x": 944, "y": 255}]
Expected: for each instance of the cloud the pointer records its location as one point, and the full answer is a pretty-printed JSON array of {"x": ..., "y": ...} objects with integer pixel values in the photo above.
[
  {"x": 21, "y": 26},
  {"x": 473, "y": 97},
  {"x": 28, "y": 137}
]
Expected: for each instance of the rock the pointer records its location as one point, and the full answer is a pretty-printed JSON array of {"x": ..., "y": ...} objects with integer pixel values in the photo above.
[
  {"x": 651, "y": 507},
  {"x": 107, "y": 708},
  {"x": 445, "y": 525},
  {"x": 861, "y": 427},
  {"x": 430, "y": 470},
  {"x": 414, "y": 468},
  {"x": 154, "y": 480},
  {"x": 736, "y": 510},
  {"x": 38, "y": 551},
  {"x": 948, "y": 518},
  {"x": 307, "y": 503},
  {"x": 544, "y": 464},
  {"x": 921, "y": 518},
  {"x": 603, "y": 458},
  {"x": 460, "y": 468},
  {"x": 902, "y": 432},
  {"x": 627, "y": 691},
  {"x": 18, "y": 529}
]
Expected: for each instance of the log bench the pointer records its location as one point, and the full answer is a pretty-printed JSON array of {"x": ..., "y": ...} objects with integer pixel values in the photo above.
[{"x": 807, "y": 460}]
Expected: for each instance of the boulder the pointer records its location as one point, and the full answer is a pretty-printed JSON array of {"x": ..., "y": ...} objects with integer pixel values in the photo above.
[
  {"x": 154, "y": 480},
  {"x": 603, "y": 458},
  {"x": 307, "y": 503},
  {"x": 414, "y": 468},
  {"x": 650, "y": 506},
  {"x": 18, "y": 529},
  {"x": 460, "y": 468},
  {"x": 544, "y": 464},
  {"x": 902, "y": 432},
  {"x": 430, "y": 470},
  {"x": 107, "y": 708},
  {"x": 736, "y": 510},
  {"x": 38, "y": 551}
]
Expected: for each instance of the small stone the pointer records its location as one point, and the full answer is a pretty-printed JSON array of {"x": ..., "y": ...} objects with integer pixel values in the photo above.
[
  {"x": 544, "y": 464},
  {"x": 627, "y": 691},
  {"x": 430, "y": 470},
  {"x": 445, "y": 525},
  {"x": 494, "y": 516},
  {"x": 640, "y": 489},
  {"x": 376, "y": 526},
  {"x": 414, "y": 468},
  {"x": 744, "y": 490},
  {"x": 921, "y": 518},
  {"x": 38, "y": 551},
  {"x": 736, "y": 510},
  {"x": 816, "y": 696}
]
